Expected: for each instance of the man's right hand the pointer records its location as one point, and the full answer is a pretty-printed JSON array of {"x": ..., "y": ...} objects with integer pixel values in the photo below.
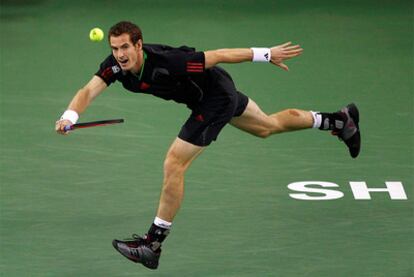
[{"x": 60, "y": 126}]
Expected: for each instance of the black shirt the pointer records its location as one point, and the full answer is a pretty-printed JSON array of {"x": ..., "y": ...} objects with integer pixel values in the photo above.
[{"x": 170, "y": 73}]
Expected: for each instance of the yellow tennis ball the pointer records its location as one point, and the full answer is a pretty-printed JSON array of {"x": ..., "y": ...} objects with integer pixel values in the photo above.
[{"x": 96, "y": 34}]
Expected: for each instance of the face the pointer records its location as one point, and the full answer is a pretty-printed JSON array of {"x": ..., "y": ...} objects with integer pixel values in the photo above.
[{"x": 129, "y": 56}]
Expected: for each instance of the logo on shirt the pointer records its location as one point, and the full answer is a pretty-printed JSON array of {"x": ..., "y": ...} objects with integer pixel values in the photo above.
[
  {"x": 115, "y": 69},
  {"x": 144, "y": 86},
  {"x": 199, "y": 118}
]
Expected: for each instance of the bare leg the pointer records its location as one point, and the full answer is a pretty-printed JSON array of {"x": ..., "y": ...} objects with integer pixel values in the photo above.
[
  {"x": 147, "y": 250},
  {"x": 256, "y": 122},
  {"x": 178, "y": 159}
]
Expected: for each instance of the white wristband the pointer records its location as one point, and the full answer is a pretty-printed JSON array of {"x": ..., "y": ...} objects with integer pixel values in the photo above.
[
  {"x": 261, "y": 54},
  {"x": 70, "y": 115}
]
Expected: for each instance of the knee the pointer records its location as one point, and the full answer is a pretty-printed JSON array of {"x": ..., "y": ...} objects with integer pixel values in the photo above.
[
  {"x": 270, "y": 127},
  {"x": 264, "y": 133},
  {"x": 173, "y": 166}
]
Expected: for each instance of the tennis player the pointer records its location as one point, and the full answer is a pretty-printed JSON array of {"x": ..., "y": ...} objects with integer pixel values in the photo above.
[{"x": 193, "y": 78}]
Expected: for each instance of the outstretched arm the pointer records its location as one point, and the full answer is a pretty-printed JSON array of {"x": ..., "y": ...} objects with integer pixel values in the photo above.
[
  {"x": 81, "y": 101},
  {"x": 278, "y": 54}
]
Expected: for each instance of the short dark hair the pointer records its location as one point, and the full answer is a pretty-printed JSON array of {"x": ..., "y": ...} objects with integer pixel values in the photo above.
[{"x": 126, "y": 27}]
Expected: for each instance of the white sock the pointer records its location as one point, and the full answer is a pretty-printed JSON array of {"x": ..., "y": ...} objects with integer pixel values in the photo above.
[
  {"x": 317, "y": 119},
  {"x": 162, "y": 223}
]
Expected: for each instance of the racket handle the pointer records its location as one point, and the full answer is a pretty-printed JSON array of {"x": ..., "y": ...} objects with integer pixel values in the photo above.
[{"x": 68, "y": 128}]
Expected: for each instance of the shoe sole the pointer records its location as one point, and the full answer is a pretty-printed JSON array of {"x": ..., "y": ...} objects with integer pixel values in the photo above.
[
  {"x": 354, "y": 142},
  {"x": 353, "y": 112}
]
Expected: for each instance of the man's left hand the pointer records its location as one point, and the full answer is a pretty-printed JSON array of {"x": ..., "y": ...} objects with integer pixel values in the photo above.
[{"x": 283, "y": 52}]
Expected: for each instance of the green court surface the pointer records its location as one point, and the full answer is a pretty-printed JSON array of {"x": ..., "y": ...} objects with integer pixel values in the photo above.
[{"x": 63, "y": 199}]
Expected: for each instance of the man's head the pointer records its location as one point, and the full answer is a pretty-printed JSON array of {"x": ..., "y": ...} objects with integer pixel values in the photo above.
[{"x": 125, "y": 39}]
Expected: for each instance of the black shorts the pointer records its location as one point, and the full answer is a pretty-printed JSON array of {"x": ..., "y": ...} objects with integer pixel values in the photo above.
[{"x": 219, "y": 105}]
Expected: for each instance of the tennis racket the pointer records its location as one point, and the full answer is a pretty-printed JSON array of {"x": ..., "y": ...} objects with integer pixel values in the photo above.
[{"x": 92, "y": 124}]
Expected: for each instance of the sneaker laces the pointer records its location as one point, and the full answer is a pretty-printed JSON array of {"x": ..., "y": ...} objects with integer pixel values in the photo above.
[
  {"x": 339, "y": 125},
  {"x": 154, "y": 246},
  {"x": 136, "y": 238}
]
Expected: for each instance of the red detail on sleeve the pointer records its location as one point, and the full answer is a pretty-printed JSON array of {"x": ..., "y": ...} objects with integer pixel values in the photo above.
[
  {"x": 107, "y": 73},
  {"x": 195, "y": 67}
]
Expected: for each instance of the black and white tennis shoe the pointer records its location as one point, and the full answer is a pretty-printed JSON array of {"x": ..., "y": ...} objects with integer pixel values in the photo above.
[
  {"x": 349, "y": 133},
  {"x": 139, "y": 250}
]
